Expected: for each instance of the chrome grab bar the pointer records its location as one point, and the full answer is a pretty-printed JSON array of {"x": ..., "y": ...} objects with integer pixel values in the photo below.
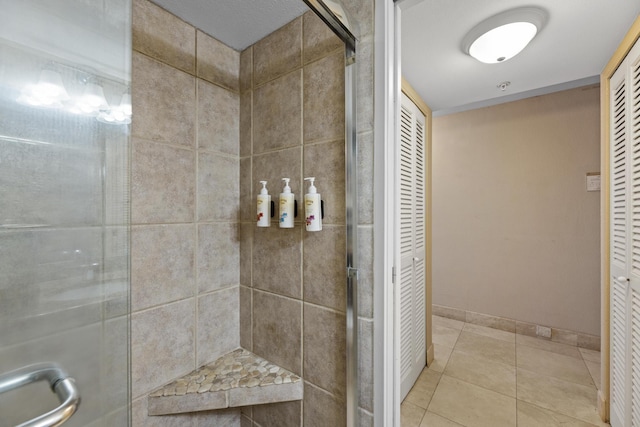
[{"x": 61, "y": 384}]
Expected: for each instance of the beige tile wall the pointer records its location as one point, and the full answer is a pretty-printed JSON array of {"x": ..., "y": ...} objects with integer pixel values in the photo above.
[
  {"x": 185, "y": 184},
  {"x": 209, "y": 123},
  {"x": 292, "y": 281}
]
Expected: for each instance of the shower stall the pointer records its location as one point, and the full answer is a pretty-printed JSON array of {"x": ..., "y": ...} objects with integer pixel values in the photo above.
[{"x": 129, "y": 252}]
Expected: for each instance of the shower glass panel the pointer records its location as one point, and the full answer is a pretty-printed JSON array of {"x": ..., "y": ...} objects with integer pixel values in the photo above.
[{"x": 64, "y": 204}]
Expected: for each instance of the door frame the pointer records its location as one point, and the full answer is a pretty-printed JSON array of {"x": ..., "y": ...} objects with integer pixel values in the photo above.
[{"x": 619, "y": 55}]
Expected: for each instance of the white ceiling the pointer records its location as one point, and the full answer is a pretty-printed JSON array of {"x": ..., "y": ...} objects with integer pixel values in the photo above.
[
  {"x": 236, "y": 23},
  {"x": 571, "y": 50}
]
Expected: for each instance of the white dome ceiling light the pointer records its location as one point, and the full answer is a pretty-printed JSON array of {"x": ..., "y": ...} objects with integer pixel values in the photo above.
[{"x": 502, "y": 36}]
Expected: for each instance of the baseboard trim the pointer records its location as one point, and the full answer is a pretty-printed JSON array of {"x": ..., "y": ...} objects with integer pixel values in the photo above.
[{"x": 564, "y": 336}]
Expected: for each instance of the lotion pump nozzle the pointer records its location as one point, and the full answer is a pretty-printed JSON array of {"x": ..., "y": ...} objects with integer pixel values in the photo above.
[
  {"x": 264, "y": 187},
  {"x": 312, "y": 188},
  {"x": 286, "y": 189}
]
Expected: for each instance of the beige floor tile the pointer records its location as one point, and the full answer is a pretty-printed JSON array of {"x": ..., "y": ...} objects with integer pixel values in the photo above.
[
  {"x": 553, "y": 364},
  {"x": 449, "y": 323},
  {"x": 472, "y": 406},
  {"x": 434, "y": 420},
  {"x": 590, "y": 355},
  {"x": 445, "y": 336},
  {"x": 594, "y": 370},
  {"x": 568, "y": 398},
  {"x": 490, "y": 332},
  {"x": 567, "y": 350},
  {"x": 487, "y": 348},
  {"x": 496, "y": 376},
  {"x": 422, "y": 391},
  {"x": 534, "y": 416},
  {"x": 410, "y": 415},
  {"x": 440, "y": 358}
]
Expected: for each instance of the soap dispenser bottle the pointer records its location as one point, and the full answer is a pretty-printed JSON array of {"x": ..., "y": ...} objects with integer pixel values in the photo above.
[
  {"x": 287, "y": 206},
  {"x": 264, "y": 206},
  {"x": 312, "y": 207}
]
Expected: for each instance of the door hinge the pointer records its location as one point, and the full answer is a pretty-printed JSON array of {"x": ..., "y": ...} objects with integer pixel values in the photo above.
[{"x": 352, "y": 273}]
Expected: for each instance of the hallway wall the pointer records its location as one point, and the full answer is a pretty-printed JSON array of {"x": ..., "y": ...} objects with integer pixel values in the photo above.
[{"x": 515, "y": 233}]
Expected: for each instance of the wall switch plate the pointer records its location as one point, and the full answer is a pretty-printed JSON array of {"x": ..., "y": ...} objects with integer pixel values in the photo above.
[
  {"x": 543, "y": 331},
  {"x": 593, "y": 181}
]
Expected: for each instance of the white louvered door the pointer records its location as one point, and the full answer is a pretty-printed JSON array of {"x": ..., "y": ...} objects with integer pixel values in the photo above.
[
  {"x": 411, "y": 272},
  {"x": 625, "y": 242}
]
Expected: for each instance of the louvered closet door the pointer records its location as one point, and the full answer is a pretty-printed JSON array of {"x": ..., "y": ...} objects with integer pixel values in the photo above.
[
  {"x": 625, "y": 242},
  {"x": 411, "y": 271}
]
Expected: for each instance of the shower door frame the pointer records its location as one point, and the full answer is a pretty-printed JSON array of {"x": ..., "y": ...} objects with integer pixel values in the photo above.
[{"x": 351, "y": 203}]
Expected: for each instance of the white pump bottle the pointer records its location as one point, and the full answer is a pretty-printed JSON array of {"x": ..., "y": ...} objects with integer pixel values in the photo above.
[
  {"x": 287, "y": 206},
  {"x": 313, "y": 207},
  {"x": 264, "y": 206}
]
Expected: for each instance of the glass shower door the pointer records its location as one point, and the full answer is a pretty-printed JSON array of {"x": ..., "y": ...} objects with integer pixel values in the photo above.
[{"x": 65, "y": 111}]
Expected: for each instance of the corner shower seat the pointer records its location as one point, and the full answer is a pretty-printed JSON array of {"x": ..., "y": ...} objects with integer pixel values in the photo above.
[{"x": 239, "y": 378}]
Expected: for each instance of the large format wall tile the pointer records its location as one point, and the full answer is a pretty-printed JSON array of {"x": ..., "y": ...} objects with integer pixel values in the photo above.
[
  {"x": 218, "y": 188},
  {"x": 322, "y": 409},
  {"x": 326, "y": 163},
  {"x": 164, "y": 102},
  {"x": 365, "y": 178},
  {"x": 248, "y": 208},
  {"x": 162, "y": 183},
  {"x": 246, "y": 250},
  {"x": 323, "y": 267},
  {"x": 217, "y": 62},
  {"x": 324, "y": 349},
  {"x": 277, "y": 112},
  {"x": 218, "y": 118},
  {"x": 277, "y": 330},
  {"x": 162, "y": 345},
  {"x": 246, "y": 304},
  {"x": 162, "y": 264},
  {"x": 214, "y": 310},
  {"x": 277, "y": 258},
  {"x": 278, "y": 53},
  {"x": 246, "y": 126},
  {"x": 246, "y": 69},
  {"x": 218, "y": 256},
  {"x": 287, "y": 414},
  {"x": 365, "y": 272},
  {"x": 324, "y": 99},
  {"x": 141, "y": 419},
  {"x": 318, "y": 38},
  {"x": 161, "y": 35}
]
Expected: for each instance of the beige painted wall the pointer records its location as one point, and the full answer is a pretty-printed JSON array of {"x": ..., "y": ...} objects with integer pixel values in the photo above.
[{"x": 515, "y": 233}]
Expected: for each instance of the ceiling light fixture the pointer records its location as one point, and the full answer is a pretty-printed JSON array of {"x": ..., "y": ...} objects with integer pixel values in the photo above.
[{"x": 502, "y": 36}]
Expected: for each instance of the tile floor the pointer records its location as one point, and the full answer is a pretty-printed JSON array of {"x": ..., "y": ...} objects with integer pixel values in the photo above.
[{"x": 486, "y": 377}]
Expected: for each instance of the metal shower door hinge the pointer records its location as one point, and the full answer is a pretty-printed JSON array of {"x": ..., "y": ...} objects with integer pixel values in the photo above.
[{"x": 352, "y": 273}]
